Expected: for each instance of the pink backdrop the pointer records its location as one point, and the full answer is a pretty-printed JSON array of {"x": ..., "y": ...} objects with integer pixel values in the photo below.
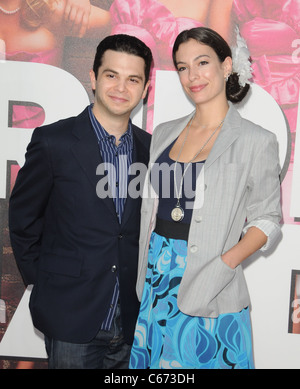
[{"x": 272, "y": 33}]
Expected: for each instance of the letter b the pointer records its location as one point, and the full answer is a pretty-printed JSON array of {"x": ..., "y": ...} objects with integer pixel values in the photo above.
[{"x": 55, "y": 90}]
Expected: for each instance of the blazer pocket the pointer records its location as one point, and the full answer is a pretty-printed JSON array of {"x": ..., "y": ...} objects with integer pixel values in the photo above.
[
  {"x": 60, "y": 264},
  {"x": 199, "y": 297},
  {"x": 215, "y": 276}
]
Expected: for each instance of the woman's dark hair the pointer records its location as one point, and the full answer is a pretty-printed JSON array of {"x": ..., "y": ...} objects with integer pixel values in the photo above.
[
  {"x": 124, "y": 44},
  {"x": 234, "y": 91}
]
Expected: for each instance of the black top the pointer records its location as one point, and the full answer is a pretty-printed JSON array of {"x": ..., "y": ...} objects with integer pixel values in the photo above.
[{"x": 162, "y": 179}]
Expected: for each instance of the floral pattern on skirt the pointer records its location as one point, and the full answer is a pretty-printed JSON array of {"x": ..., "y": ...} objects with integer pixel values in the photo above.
[{"x": 166, "y": 338}]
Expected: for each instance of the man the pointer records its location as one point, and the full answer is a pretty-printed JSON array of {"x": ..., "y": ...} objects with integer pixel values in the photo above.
[{"x": 78, "y": 247}]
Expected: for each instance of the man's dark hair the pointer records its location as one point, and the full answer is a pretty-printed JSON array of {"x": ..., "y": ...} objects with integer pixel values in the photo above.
[{"x": 124, "y": 44}]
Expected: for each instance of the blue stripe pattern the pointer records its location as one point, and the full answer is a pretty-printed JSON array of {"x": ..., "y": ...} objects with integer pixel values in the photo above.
[{"x": 120, "y": 157}]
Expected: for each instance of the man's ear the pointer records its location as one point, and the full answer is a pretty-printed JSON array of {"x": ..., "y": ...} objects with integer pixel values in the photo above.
[
  {"x": 93, "y": 79},
  {"x": 146, "y": 89}
]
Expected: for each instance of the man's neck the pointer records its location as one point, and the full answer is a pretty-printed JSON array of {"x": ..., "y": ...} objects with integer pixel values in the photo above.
[{"x": 115, "y": 125}]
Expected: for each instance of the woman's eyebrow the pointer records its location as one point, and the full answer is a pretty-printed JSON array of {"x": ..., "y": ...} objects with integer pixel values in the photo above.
[{"x": 195, "y": 59}]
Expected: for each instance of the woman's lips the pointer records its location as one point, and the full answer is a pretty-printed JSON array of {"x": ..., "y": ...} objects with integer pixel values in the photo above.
[{"x": 197, "y": 88}]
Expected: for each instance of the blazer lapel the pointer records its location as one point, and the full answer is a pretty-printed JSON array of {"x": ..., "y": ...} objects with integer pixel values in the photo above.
[
  {"x": 139, "y": 154},
  {"x": 171, "y": 131},
  {"x": 228, "y": 134},
  {"x": 86, "y": 151}
]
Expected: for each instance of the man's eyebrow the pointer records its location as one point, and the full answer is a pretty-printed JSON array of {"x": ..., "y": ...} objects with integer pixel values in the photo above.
[{"x": 108, "y": 70}]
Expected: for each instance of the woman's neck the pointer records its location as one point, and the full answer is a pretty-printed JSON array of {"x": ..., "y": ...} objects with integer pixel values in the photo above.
[{"x": 207, "y": 115}]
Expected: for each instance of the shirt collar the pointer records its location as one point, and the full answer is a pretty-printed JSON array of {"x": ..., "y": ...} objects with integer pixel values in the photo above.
[{"x": 101, "y": 133}]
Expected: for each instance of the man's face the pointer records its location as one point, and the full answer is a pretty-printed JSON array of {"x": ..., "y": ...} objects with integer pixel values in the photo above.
[{"x": 120, "y": 84}]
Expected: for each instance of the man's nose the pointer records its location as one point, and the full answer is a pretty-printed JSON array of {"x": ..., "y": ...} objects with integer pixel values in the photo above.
[{"x": 121, "y": 85}]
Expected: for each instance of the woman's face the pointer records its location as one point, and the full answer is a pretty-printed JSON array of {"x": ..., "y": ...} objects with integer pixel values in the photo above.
[{"x": 201, "y": 73}]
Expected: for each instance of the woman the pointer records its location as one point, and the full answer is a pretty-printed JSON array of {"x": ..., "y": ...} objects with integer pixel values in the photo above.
[{"x": 194, "y": 301}]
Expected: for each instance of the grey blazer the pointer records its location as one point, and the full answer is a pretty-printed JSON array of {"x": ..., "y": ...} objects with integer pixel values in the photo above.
[{"x": 237, "y": 188}]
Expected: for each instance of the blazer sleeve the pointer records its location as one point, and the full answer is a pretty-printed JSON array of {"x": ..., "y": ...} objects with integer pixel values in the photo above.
[
  {"x": 27, "y": 206},
  {"x": 264, "y": 208}
]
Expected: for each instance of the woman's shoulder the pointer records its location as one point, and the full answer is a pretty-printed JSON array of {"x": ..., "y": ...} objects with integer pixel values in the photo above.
[
  {"x": 168, "y": 128},
  {"x": 171, "y": 124},
  {"x": 256, "y": 131},
  {"x": 248, "y": 129}
]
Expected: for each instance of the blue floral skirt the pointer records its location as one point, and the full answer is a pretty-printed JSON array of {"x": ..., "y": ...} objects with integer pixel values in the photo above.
[{"x": 166, "y": 338}]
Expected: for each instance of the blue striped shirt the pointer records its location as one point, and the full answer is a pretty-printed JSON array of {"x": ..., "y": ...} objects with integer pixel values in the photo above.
[{"x": 120, "y": 158}]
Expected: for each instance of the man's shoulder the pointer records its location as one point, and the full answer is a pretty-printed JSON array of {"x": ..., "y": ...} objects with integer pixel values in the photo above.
[
  {"x": 65, "y": 122},
  {"x": 142, "y": 135}
]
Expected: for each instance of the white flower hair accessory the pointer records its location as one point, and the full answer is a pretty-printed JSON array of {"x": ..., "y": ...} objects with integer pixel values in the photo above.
[{"x": 241, "y": 59}]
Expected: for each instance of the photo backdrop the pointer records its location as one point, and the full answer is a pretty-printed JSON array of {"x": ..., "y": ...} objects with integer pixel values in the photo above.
[{"x": 44, "y": 76}]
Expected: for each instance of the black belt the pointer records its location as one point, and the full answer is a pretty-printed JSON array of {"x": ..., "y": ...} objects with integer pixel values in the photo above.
[{"x": 172, "y": 230}]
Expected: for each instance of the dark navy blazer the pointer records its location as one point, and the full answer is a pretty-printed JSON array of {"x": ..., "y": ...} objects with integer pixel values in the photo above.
[{"x": 67, "y": 241}]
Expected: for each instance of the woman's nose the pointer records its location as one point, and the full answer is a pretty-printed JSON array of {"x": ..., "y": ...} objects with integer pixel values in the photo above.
[{"x": 193, "y": 73}]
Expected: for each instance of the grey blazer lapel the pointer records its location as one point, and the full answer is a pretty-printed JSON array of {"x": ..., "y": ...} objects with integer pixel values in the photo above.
[
  {"x": 170, "y": 132},
  {"x": 229, "y": 133}
]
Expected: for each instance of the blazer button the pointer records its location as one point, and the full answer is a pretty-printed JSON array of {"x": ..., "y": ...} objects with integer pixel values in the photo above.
[
  {"x": 113, "y": 268},
  {"x": 198, "y": 219},
  {"x": 194, "y": 249}
]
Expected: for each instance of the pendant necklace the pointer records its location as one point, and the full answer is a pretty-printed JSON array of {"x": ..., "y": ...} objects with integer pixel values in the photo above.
[
  {"x": 177, "y": 212},
  {"x": 6, "y": 12}
]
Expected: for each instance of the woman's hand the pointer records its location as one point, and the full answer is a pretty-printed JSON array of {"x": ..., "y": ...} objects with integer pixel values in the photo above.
[
  {"x": 252, "y": 241},
  {"x": 76, "y": 16}
]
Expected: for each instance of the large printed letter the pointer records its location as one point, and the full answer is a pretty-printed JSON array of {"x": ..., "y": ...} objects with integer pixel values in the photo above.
[
  {"x": 56, "y": 91},
  {"x": 60, "y": 95}
]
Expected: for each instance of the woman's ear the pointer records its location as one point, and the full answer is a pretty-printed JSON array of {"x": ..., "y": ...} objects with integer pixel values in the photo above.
[{"x": 227, "y": 66}]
